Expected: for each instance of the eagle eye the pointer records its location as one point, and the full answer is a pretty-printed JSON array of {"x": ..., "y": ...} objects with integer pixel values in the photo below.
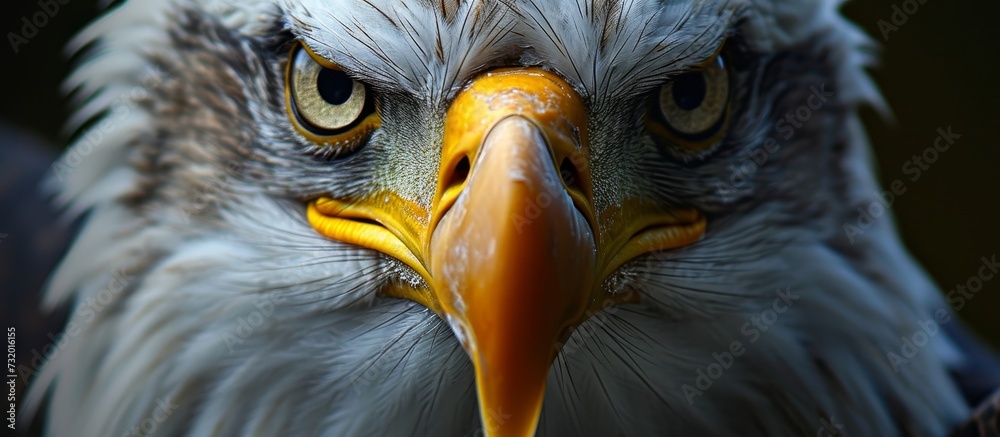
[
  {"x": 690, "y": 110},
  {"x": 326, "y": 105}
]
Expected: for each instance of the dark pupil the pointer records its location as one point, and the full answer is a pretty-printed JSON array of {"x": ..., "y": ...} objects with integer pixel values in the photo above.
[
  {"x": 689, "y": 90},
  {"x": 335, "y": 87}
]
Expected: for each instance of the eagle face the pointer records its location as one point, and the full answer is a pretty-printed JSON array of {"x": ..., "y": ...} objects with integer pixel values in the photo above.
[{"x": 495, "y": 217}]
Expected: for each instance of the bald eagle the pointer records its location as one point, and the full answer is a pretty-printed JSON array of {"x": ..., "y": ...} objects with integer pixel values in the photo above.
[{"x": 486, "y": 217}]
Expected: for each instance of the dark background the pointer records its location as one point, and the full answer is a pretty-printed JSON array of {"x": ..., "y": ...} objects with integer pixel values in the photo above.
[{"x": 938, "y": 70}]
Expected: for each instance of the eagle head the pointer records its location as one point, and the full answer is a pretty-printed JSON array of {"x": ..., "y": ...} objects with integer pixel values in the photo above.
[{"x": 449, "y": 217}]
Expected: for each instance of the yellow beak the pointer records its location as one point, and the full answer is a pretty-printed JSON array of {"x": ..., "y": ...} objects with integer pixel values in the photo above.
[{"x": 510, "y": 249}]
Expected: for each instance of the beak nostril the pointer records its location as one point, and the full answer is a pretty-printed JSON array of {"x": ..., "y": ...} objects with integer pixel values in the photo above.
[
  {"x": 460, "y": 173},
  {"x": 574, "y": 183},
  {"x": 570, "y": 175}
]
